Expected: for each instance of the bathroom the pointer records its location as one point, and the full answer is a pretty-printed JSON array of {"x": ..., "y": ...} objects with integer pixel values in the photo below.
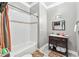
[{"x": 31, "y": 24}]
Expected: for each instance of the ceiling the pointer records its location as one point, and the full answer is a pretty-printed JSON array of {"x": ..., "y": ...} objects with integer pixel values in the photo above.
[
  {"x": 31, "y": 3},
  {"x": 46, "y": 4}
]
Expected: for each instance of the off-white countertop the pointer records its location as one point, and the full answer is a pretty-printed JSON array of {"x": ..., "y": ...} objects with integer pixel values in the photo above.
[{"x": 66, "y": 36}]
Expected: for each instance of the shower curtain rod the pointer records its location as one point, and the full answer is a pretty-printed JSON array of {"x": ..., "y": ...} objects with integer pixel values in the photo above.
[
  {"x": 21, "y": 10},
  {"x": 24, "y": 22}
]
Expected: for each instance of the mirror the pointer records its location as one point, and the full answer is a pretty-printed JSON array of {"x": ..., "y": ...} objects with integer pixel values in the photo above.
[{"x": 58, "y": 25}]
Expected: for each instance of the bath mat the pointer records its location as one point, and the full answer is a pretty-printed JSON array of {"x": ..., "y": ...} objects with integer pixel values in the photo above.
[
  {"x": 55, "y": 54},
  {"x": 37, "y": 53}
]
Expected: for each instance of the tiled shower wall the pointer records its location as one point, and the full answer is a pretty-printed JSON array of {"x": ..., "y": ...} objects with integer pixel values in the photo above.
[{"x": 22, "y": 33}]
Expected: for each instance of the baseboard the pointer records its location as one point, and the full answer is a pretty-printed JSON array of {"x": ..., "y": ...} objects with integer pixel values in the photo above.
[
  {"x": 69, "y": 51},
  {"x": 43, "y": 46},
  {"x": 73, "y": 52}
]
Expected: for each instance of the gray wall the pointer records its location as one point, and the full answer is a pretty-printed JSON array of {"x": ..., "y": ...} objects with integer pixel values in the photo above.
[
  {"x": 77, "y": 34},
  {"x": 42, "y": 25},
  {"x": 42, "y": 13},
  {"x": 68, "y": 12}
]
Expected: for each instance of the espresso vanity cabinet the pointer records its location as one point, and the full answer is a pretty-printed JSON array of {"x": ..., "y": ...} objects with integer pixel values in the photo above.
[{"x": 55, "y": 41}]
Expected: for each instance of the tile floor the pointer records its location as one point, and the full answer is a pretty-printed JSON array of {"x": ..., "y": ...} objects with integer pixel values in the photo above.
[{"x": 45, "y": 50}]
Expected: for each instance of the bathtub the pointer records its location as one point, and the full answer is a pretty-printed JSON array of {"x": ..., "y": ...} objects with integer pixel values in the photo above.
[
  {"x": 23, "y": 39},
  {"x": 23, "y": 49}
]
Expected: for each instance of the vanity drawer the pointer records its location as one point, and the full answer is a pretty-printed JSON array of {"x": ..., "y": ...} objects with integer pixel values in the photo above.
[
  {"x": 51, "y": 41},
  {"x": 53, "y": 38},
  {"x": 61, "y": 44}
]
